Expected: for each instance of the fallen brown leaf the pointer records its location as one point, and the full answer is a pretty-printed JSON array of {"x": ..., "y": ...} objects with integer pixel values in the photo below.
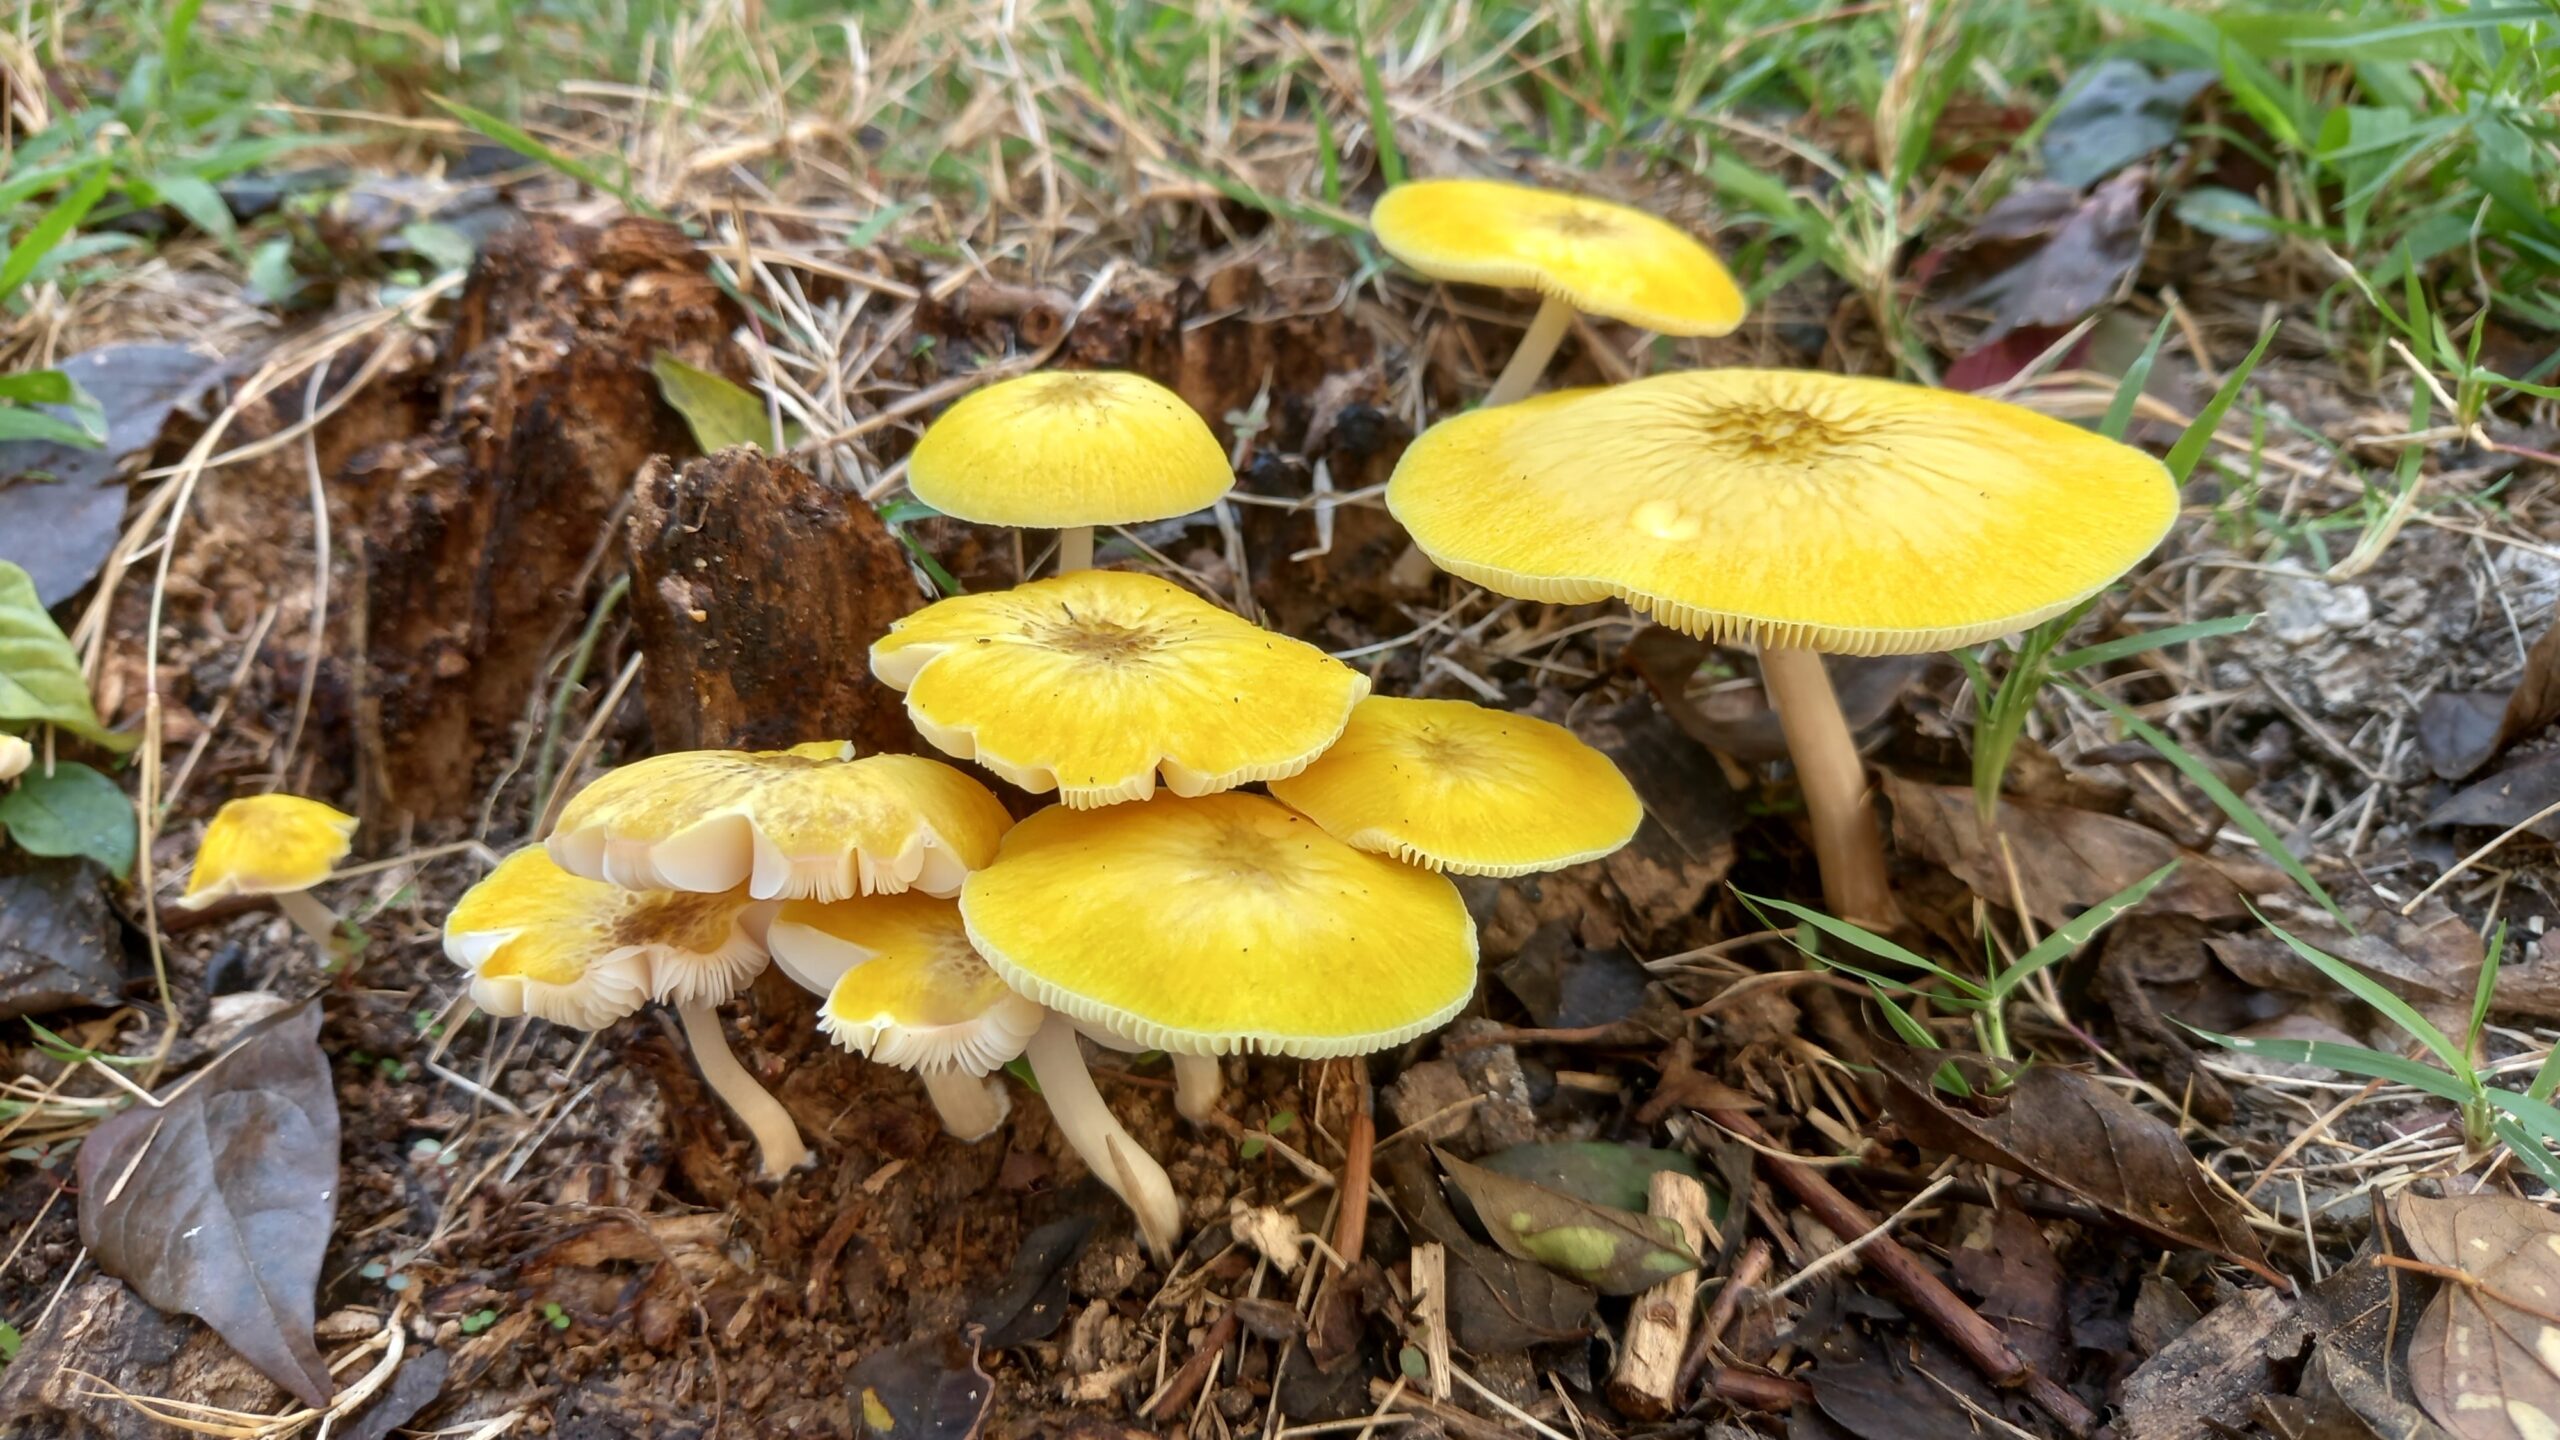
[
  {"x": 2485, "y": 1361},
  {"x": 2066, "y": 860}
]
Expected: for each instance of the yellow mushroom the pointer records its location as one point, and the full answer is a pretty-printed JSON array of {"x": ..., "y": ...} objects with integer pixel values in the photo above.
[
  {"x": 1069, "y": 450},
  {"x": 1807, "y": 514},
  {"x": 1451, "y": 785},
  {"x": 274, "y": 845},
  {"x": 1205, "y": 927},
  {"x": 909, "y": 992},
  {"x": 540, "y": 941},
  {"x": 1578, "y": 253},
  {"x": 1091, "y": 684},
  {"x": 15, "y": 756},
  {"x": 808, "y": 821}
]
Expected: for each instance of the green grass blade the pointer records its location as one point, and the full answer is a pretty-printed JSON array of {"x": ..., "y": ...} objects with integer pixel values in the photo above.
[
  {"x": 2374, "y": 993},
  {"x": 2486, "y": 990},
  {"x": 1910, "y": 1029},
  {"x": 2351, "y": 1059},
  {"x": 522, "y": 141},
  {"x": 1856, "y": 938},
  {"x": 2241, "y": 813},
  {"x": 2191, "y": 445},
  {"x": 2532, "y": 1151},
  {"x": 2128, "y": 390},
  {"x": 2107, "y": 651},
  {"x": 2076, "y": 932},
  {"x": 50, "y": 230},
  {"x": 1382, "y": 120}
]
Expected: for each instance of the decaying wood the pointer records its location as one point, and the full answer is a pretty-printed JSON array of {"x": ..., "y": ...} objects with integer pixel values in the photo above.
[
  {"x": 1430, "y": 1270},
  {"x": 1646, "y": 1382},
  {"x": 102, "y": 1328},
  {"x": 756, "y": 593},
  {"x": 487, "y": 531}
]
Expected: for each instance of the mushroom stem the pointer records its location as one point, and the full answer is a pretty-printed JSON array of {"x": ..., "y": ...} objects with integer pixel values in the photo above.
[
  {"x": 1057, "y": 1062},
  {"x": 1537, "y": 347},
  {"x": 1198, "y": 1085},
  {"x": 1846, "y": 841},
  {"x": 778, "y": 1142},
  {"x": 313, "y": 917},
  {"x": 971, "y": 1106},
  {"x": 1075, "y": 548}
]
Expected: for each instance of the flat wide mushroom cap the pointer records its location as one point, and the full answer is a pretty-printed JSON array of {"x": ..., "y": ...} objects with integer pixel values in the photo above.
[
  {"x": 1063, "y": 448},
  {"x": 540, "y": 941},
  {"x": 1092, "y": 683},
  {"x": 267, "y": 845},
  {"x": 1599, "y": 258},
  {"x": 1788, "y": 508},
  {"x": 808, "y": 821},
  {"x": 923, "y": 1000},
  {"x": 1451, "y": 785},
  {"x": 1222, "y": 924}
]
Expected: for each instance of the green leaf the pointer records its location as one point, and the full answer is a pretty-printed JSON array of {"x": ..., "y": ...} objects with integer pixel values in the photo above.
[
  {"x": 1614, "y": 1251},
  {"x": 73, "y": 811},
  {"x": 2351, "y": 1059},
  {"x": 2374, "y": 993},
  {"x": 203, "y": 205},
  {"x": 2199, "y": 433},
  {"x": 38, "y": 387},
  {"x": 1600, "y": 1171},
  {"x": 2108, "y": 651},
  {"x": 2129, "y": 389},
  {"x": 40, "y": 680},
  {"x": 2076, "y": 932},
  {"x": 868, "y": 233},
  {"x": 521, "y": 141},
  {"x": 719, "y": 411},
  {"x": 50, "y": 230},
  {"x": 2240, "y": 811},
  {"x": 16, "y": 424},
  {"x": 1867, "y": 941},
  {"x": 439, "y": 244}
]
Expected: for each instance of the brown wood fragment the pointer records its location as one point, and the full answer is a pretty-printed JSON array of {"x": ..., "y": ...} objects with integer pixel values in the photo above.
[
  {"x": 756, "y": 593},
  {"x": 1646, "y": 1382}
]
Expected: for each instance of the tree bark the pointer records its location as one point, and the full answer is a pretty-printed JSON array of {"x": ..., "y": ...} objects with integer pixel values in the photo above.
[{"x": 757, "y": 593}]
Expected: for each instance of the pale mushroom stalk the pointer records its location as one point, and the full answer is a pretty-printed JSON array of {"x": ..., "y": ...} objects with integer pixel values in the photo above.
[
  {"x": 971, "y": 1106},
  {"x": 778, "y": 1142},
  {"x": 1847, "y": 844},
  {"x": 1075, "y": 548},
  {"x": 1115, "y": 1157},
  {"x": 313, "y": 917},
  {"x": 1199, "y": 1084},
  {"x": 1537, "y": 346}
]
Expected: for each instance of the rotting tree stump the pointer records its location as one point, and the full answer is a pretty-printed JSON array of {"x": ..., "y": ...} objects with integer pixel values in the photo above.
[
  {"x": 756, "y": 593},
  {"x": 488, "y": 533}
]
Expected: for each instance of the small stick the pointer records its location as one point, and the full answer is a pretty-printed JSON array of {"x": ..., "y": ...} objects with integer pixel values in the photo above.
[
  {"x": 1646, "y": 1382},
  {"x": 1179, "y": 1391},
  {"x": 1430, "y": 1270},
  {"x": 1774, "y": 1393},
  {"x": 1748, "y": 1272},
  {"x": 1978, "y": 1339}
]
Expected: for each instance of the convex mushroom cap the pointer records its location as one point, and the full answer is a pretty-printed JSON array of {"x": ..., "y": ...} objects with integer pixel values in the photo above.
[
  {"x": 540, "y": 941},
  {"x": 1451, "y": 785},
  {"x": 1600, "y": 258},
  {"x": 808, "y": 821},
  {"x": 918, "y": 997},
  {"x": 267, "y": 845},
  {"x": 1066, "y": 448},
  {"x": 1092, "y": 683},
  {"x": 1793, "y": 509},
  {"x": 1221, "y": 924}
]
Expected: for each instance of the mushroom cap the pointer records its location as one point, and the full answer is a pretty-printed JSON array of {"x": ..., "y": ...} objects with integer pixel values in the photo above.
[
  {"x": 808, "y": 821},
  {"x": 15, "y": 756},
  {"x": 1451, "y": 785},
  {"x": 540, "y": 941},
  {"x": 1069, "y": 447},
  {"x": 267, "y": 845},
  {"x": 1788, "y": 508},
  {"x": 1090, "y": 683},
  {"x": 1599, "y": 258},
  {"x": 1221, "y": 924},
  {"x": 919, "y": 998}
]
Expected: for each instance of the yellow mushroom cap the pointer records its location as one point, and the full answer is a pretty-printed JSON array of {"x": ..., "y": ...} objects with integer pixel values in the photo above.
[
  {"x": 1451, "y": 785},
  {"x": 267, "y": 845},
  {"x": 1090, "y": 683},
  {"x": 1069, "y": 447},
  {"x": 1599, "y": 258},
  {"x": 540, "y": 941},
  {"x": 808, "y": 821},
  {"x": 1226, "y": 923},
  {"x": 919, "y": 997},
  {"x": 1788, "y": 508}
]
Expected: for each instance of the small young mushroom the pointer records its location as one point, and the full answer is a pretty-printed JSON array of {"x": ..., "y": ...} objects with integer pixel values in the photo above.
[
  {"x": 1069, "y": 450},
  {"x": 1451, "y": 785},
  {"x": 810, "y": 821},
  {"x": 1807, "y": 514},
  {"x": 274, "y": 845},
  {"x": 1091, "y": 684},
  {"x": 540, "y": 941},
  {"x": 914, "y": 997},
  {"x": 1213, "y": 926},
  {"x": 1579, "y": 254},
  {"x": 15, "y": 756}
]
